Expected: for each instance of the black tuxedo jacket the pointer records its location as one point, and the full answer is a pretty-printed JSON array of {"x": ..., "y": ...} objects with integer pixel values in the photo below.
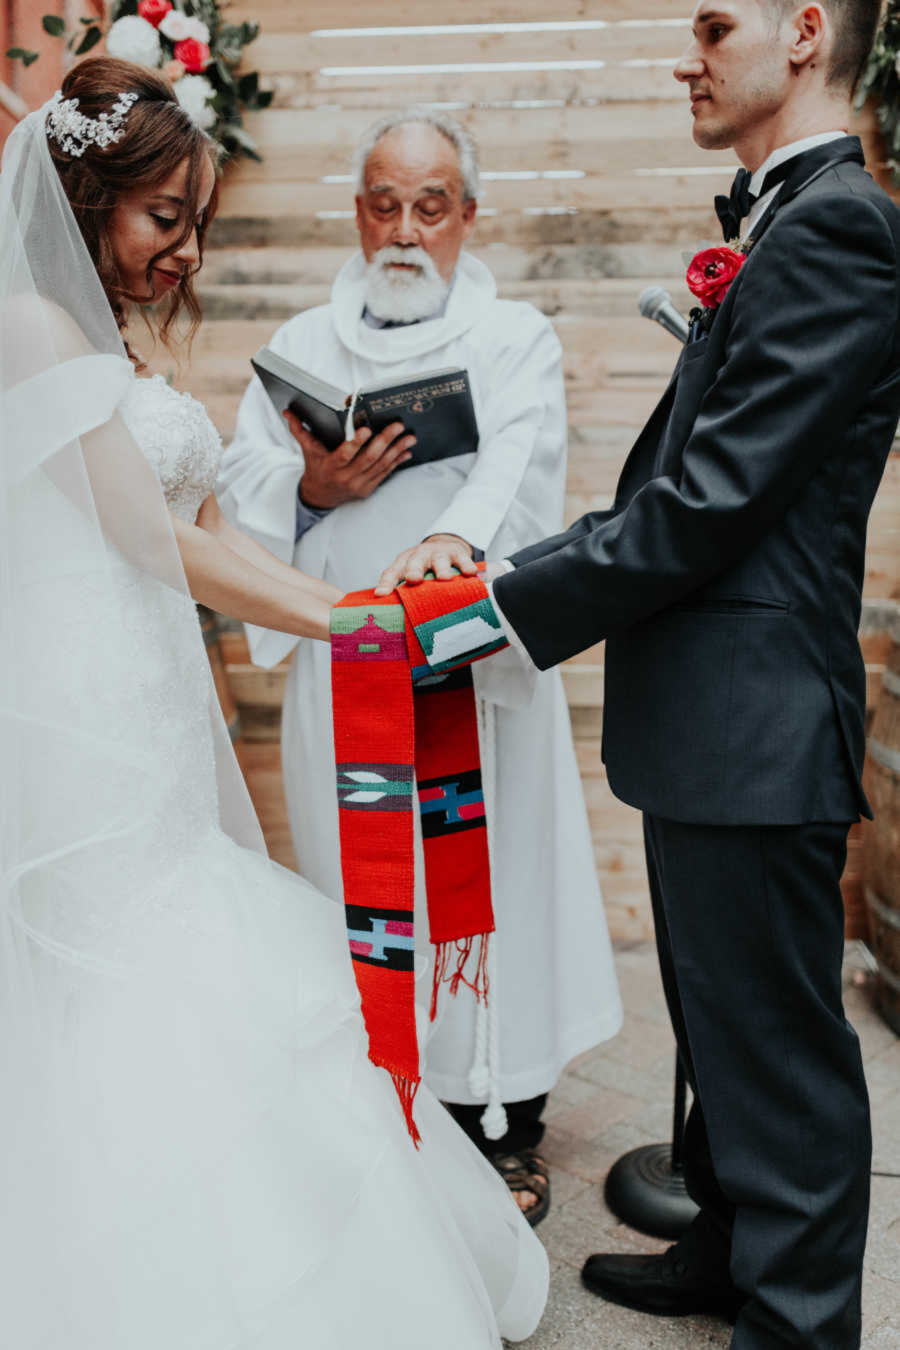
[{"x": 727, "y": 576}]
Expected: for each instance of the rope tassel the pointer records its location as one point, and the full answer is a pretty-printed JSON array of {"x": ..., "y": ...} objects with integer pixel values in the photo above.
[{"x": 493, "y": 1119}]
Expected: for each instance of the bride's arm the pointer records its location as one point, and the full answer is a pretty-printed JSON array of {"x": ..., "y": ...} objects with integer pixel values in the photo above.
[
  {"x": 234, "y": 586},
  {"x": 211, "y": 519}
]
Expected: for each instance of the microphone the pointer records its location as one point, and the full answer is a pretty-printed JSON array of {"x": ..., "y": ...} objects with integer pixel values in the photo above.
[{"x": 656, "y": 303}]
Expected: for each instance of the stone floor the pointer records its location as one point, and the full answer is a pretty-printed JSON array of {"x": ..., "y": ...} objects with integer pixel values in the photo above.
[{"x": 618, "y": 1097}]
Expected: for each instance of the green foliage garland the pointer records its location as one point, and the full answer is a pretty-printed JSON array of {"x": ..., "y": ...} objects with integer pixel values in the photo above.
[
  {"x": 881, "y": 82},
  {"x": 230, "y": 94}
]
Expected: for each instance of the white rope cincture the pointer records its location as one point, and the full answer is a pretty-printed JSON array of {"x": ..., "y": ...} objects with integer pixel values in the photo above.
[
  {"x": 479, "y": 1074},
  {"x": 484, "y": 1075}
]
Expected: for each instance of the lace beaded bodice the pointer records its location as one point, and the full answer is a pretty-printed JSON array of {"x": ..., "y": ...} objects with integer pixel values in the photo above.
[{"x": 175, "y": 433}]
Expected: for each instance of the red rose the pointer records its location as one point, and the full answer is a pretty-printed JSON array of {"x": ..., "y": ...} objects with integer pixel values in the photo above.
[
  {"x": 154, "y": 11},
  {"x": 193, "y": 55},
  {"x": 711, "y": 272}
]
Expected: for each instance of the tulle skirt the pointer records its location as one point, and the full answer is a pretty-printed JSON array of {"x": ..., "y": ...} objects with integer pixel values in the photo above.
[{"x": 198, "y": 1154}]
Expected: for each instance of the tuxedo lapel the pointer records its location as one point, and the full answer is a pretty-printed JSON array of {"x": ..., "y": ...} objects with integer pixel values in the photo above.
[
  {"x": 676, "y": 413},
  {"x": 804, "y": 170}
]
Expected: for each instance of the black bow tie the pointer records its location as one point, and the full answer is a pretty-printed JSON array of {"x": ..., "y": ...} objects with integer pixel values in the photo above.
[{"x": 734, "y": 208}]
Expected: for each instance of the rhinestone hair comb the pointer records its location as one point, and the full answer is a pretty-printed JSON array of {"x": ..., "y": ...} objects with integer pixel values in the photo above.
[{"x": 75, "y": 131}]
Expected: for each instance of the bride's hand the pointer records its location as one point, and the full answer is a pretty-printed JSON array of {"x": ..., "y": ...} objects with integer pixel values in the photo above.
[{"x": 234, "y": 575}]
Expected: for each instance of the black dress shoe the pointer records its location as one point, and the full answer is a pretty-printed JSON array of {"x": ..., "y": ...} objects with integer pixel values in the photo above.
[{"x": 663, "y": 1284}]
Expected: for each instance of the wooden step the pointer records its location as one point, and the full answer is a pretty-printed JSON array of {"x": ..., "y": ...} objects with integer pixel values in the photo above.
[
  {"x": 658, "y": 139},
  {"x": 510, "y": 264},
  {"x": 610, "y": 298},
  {"x": 684, "y": 227},
  {"x": 621, "y": 190}
]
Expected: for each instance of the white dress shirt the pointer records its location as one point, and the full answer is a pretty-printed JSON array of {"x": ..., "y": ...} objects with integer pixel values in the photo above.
[
  {"x": 509, "y": 632},
  {"x": 784, "y": 152}
]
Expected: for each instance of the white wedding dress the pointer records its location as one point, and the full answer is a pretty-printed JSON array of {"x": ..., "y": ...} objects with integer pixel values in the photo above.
[{"x": 197, "y": 1152}]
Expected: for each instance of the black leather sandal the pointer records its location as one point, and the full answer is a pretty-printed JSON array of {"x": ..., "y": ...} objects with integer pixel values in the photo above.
[{"x": 526, "y": 1171}]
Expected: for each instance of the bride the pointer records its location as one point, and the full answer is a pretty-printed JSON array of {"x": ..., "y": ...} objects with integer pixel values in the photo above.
[{"x": 197, "y": 1153}]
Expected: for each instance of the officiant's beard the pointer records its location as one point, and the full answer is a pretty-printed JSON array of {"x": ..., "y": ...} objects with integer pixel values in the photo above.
[{"x": 398, "y": 295}]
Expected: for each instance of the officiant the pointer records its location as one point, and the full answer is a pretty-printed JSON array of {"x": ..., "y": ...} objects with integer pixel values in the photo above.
[{"x": 413, "y": 301}]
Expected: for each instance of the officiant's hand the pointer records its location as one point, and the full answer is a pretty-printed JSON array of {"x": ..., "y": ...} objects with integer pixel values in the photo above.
[
  {"x": 352, "y": 471},
  {"x": 442, "y": 554}
]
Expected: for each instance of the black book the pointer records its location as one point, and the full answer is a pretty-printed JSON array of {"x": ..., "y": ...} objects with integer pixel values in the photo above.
[{"x": 436, "y": 407}]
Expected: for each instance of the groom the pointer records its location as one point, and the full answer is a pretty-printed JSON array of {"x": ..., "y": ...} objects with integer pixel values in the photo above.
[{"x": 726, "y": 579}]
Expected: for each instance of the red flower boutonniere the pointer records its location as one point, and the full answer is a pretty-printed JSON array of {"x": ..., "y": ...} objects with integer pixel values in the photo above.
[{"x": 711, "y": 272}]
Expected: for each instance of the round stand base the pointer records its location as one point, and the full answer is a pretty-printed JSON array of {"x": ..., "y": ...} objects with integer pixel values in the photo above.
[{"x": 645, "y": 1192}]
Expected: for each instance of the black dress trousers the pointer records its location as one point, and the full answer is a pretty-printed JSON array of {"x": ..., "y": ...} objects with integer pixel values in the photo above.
[{"x": 750, "y": 932}]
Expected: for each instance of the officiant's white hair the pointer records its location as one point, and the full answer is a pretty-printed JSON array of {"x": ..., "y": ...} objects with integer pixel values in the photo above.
[{"x": 448, "y": 127}]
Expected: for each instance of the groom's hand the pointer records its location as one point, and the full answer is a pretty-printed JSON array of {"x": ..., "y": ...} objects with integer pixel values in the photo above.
[
  {"x": 352, "y": 471},
  {"x": 442, "y": 554}
]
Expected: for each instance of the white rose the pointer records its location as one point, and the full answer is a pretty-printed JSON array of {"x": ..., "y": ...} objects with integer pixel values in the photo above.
[
  {"x": 134, "y": 39},
  {"x": 192, "y": 92},
  {"x": 177, "y": 26},
  {"x": 198, "y": 30}
]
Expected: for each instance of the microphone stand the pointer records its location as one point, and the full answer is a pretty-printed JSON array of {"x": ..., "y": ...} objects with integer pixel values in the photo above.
[{"x": 645, "y": 1187}]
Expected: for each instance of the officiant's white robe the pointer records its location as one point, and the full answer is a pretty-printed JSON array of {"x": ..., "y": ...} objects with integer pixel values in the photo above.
[{"x": 556, "y": 989}]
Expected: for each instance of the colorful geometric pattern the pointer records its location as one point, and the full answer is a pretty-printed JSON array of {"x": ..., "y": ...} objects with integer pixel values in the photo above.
[
  {"x": 368, "y": 633},
  {"x": 462, "y": 636},
  {"x": 451, "y": 805},
  {"x": 382, "y": 937},
  {"x": 375, "y": 787},
  {"x": 404, "y": 709}
]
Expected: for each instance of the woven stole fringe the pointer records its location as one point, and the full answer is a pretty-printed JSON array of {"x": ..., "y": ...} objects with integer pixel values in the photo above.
[
  {"x": 450, "y": 961},
  {"x": 389, "y": 734},
  {"x": 406, "y": 1089}
]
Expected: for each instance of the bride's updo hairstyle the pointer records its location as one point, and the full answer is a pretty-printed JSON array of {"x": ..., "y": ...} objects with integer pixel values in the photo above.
[{"x": 158, "y": 135}]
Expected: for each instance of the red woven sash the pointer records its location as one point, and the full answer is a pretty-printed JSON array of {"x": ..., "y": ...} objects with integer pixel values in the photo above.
[{"x": 404, "y": 713}]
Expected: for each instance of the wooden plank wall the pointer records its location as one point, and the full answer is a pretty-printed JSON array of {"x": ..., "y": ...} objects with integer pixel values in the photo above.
[
  {"x": 593, "y": 190},
  {"x": 20, "y": 26}
]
